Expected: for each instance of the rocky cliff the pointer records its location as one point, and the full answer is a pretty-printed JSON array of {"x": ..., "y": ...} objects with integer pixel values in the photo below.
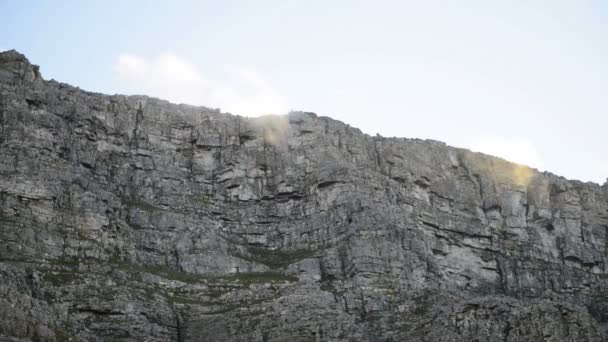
[{"x": 128, "y": 218}]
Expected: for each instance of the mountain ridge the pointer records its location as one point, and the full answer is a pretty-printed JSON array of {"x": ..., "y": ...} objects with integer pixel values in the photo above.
[
  {"x": 131, "y": 218},
  {"x": 143, "y": 97}
]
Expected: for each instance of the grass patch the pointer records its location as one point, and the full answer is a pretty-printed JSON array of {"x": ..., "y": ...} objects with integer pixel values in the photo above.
[
  {"x": 216, "y": 291},
  {"x": 258, "y": 277},
  {"x": 163, "y": 272},
  {"x": 64, "y": 262},
  {"x": 214, "y": 281},
  {"x": 61, "y": 278},
  {"x": 20, "y": 260},
  {"x": 327, "y": 287},
  {"x": 245, "y": 278},
  {"x": 61, "y": 335},
  {"x": 206, "y": 199},
  {"x": 276, "y": 259}
]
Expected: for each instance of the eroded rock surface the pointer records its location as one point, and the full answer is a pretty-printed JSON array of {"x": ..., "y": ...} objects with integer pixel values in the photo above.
[{"x": 128, "y": 218}]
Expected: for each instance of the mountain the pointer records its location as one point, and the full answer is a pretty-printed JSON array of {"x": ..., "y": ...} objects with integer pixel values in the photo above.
[{"x": 129, "y": 218}]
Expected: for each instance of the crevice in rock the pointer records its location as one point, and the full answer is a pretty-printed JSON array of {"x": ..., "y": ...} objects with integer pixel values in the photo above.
[
  {"x": 100, "y": 312},
  {"x": 138, "y": 118},
  {"x": 33, "y": 103},
  {"x": 431, "y": 224},
  {"x": 190, "y": 153},
  {"x": 2, "y": 119},
  {"x": 293, "y": 195},
  {"x": 577, "y": 260},
  {"x": 506, "y": 331},
  {"x": 423, "y": 182},
  {"x": 502, "y": 281},
  {"x": 377, "y": 154},
  {"x": 606, "y": 239},
  {"x": 179, "y": 334},
  {"x": 479, "y": 183},
  {"x": 328, "y": 183}
]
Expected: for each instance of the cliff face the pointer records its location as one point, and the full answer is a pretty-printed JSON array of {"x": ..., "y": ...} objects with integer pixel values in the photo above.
[{"x": 130, "y": 218}]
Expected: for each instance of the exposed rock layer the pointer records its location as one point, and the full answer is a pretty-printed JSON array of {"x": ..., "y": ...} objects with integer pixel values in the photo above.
[{"x": 130, "y": 218}]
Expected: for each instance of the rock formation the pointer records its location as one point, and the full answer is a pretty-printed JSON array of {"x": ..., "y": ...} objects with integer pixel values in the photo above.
[{"x": 128, "y": 218}]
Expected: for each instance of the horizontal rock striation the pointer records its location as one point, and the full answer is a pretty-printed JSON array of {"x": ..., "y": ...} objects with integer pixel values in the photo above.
[{"x": 128, "y": 218}]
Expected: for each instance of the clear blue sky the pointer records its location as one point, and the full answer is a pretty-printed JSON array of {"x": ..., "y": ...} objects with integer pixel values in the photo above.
[{"x": 526, "y": 80}]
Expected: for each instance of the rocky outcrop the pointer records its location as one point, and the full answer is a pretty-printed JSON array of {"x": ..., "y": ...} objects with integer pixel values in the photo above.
[{"x": 130, "y": 218}]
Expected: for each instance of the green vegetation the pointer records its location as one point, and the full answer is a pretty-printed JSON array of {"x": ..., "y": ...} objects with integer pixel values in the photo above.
[
  {"x": 64, "y": 262},
  {"x": 245, "y": 278},
  {"x": 206, "y": 199},
  {"x": 276, "y": 259},
  {"x": 216, "y": 291},
  {"x": 61, "y": 336},
  {"x": 258, "y": 277},
  {"x": 189, "y": 301},
  {"x": 329, "y": 287},
  {"x": 24, "y": 260},
  {"x": 162, "y": 271},
  {"x": 65, "y": 272},
  {"x": 61, "y": 278}
]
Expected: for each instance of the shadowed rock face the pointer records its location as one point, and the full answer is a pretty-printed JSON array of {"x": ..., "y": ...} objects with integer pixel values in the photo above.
[{"x": 130, "y": 218}]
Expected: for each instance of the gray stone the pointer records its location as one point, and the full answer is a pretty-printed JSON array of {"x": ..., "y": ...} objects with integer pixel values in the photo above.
[{"x": 130, "y": 218}]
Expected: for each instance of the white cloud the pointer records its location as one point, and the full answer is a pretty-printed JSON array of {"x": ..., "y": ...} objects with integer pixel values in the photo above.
[
  {"x": 131, "y": 64},
  {"x": 599, "y": 173},
  {"x": 239, "y": 90},
  {"x": 518, "y": 150},
  {"x": 246, "y": 91}
]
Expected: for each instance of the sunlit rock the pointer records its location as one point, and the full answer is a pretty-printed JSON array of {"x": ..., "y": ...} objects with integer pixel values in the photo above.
[{"x": 130, "y": 218}]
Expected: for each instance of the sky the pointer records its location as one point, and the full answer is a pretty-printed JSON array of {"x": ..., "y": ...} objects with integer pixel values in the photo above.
[{"x": 523, "y": 80}]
